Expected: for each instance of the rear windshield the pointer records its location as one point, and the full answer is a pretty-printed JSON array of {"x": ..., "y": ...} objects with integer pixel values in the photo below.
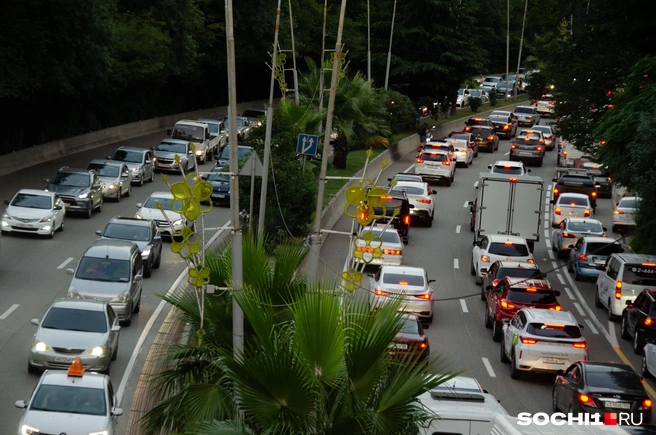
[
  {"x": 509, "y": 250},
  {"x": 576, "y": 181},
  {"x": 527, "y": 141},
  {"x": 437, "y": 147},
  {"x": 550, "y": 330},
  {"x": 403, "y": 279},
  {"x": 593, "y": 227},
  {"x": 459, "y": 136},
  {"x": 519, "y": 272},
  {"x": 388, "y": 236},
  {"x": 409, "y": 326},
  {"x": 537, "y": 297},
  {"x": 629, "y": 203},
  {"x": 436, "y": 157},
  {"x": 528, "y": 110},
  {"x": 509, "y": 170},
  {"x": 499, "y": 118},
  {"x": 640, "y": 274},
  {"x": 573, "y": 200},
  {"x": 618, "y": 379},
  {"x": 479, "y": 121},
  {"x": 391, "y": 204},
  {"x": 411, "y": 190},
  {"x": 604, "y": 248},
  {"x": 480, "y": 131}
]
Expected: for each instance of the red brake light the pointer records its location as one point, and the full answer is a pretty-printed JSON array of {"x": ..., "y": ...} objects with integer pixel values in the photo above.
[
  {"x": 556, "y": 191},
  {"x": 528, "y": 340},
  {"x": 391, "y": 251},
  {"x": 593, "y": 194},
  {"x": 506, "y": 127},
  {"x": 505, "y": 304},
  {"x": 538, "y": 148},
  {"x": 485, "y": 259},
  {"x": 513, "y": 146},
  {"x": 507, "y": 243},
  {"x": 581, "y": 345},
  {"x": 648, "y": 321},
  {"x": 420, "y": 160},
  {"x": 583, "y": 257},
  {"x": 618, "y": 290},
  {"x": 586, "y": 213},
  {"x": 446, "y": 163},
  {"x": 424, "y": 201},
  {"x": 584, "y": 399},
  {"x": 569, "y": 236},
  {"x": 406, "y": 219},
  {"x": 646, "y": 403},
  {"x": 490, "y": 138},
  {"x": 556, "y": 308},
  {"x": 513, "y": 180},
  {"x": 531, "y": 289},
  {"x": 379, "y": 292},
  {"x": 403, "y": 282},
  {"x": 530, "y": 260},
  {"x": 557, "y": 211},
  {"x": 425, "y": 296},
  {"x": 648, "y": 264}
]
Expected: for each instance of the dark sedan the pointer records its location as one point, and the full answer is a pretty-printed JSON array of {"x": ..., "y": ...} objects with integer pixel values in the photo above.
[
  {"x": 485, "y": 137},
  {"x": 410, "y": 340},
  {"x": 599, "y": 388},
  {"x": 220, "y": 185}
]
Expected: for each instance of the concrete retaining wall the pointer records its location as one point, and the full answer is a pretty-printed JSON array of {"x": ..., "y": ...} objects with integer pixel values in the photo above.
[{"x": 60, "y": 148}]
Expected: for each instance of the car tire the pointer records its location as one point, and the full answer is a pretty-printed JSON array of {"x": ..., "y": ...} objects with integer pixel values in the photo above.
[
  {"x": 487, "y": 319},
  {"x": 615, "y": 229},
  {"x": 624, "y": 332},
  {"x": 129, "y": 192},
  {"x": 159, "y": 260},
  {"x": 483, "y": 294},
  {"x": 89, "y": 212},
  {"x": 107, "y": 370},
  {"x": 61, "y": 227},
  {"x": 100, "y": 206},
  {"x": 577, "y": 277},
  {"x": 137, "y": 307},
  {"x": 502, "y": 352},
  {"x": 644, "y": 370},
  {"x": 430, "y": 319},
  {"x": 141, "y": 179},
  {"x": 472, "y": 270},
  {"x": 638, "y": 342},
  {"x": 115, "y": 353},
  {"x": 514, "y": 372},
  {"x": 429, "y": 224},
  {"x": 497, "y": 330},
  {"x": 118, "y": 195},
  {"x": 598, "y": 303},
  {"x": 32, "y": 370},
  {"x": 554, "y": 400},
  {"x": 148, "y": 270},
  {"x": 449, "y": 181},
  {"x": 540, "y": 164},
  {"x": 51, "y": 234},
  {"x": 610, "y": 314}
]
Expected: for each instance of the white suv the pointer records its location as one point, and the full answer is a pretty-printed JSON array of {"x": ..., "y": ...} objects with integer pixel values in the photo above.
[
  {"x": 622, "y": 280},
  {"x": 495, "y": 247},
  {"x": 435, "y": 166}
]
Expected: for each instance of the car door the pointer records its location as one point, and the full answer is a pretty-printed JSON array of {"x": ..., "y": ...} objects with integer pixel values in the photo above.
[
  {"x": 96, "y": 190},
  {"x": 126, "y": 179},
  {"x": 637, "y": 312},
  {"x": 606, "y": 280},
  {"x": 576, "y": 252},
  {"x": 493, "y": 298},
  {"x": 510, "y": 331},
  {"x": 148, "y": 165},
  {"x": 569, "y": 386},
  {"x": 113, "y": 321},
  {"x": 112, "y": 403},
  {"x": 59, "y": 209}
]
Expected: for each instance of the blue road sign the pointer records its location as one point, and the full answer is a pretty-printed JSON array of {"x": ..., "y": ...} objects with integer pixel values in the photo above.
[{"x": 307, "y": 144}]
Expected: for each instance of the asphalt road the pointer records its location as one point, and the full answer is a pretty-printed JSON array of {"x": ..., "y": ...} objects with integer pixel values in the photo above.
[
  {"x": 32, "y": 275},
  {"x": 458, "y": 333}
]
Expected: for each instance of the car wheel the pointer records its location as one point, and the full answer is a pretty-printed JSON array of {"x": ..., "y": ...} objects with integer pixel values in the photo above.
[
  {"x": 118, "y": 195},
  {"x": 554, "y": 400},
  {"x": 483, "y": 294},
  {"x": 429, "y": 224},
  {"x": 106, "y": 371},
  {"x": 497, "y": 330},
  {"x": 89, "y": 212},
  {"x": 137, "y": 307},
  {"x": 159, "y": 260},
  {"x": 615, "y": 229},
  {"x": 148, "y": 270},
  {"x": 141, "y": 179},
  {"x": 61, "y": 226},
  {"x": 472, "y": 269},
  {"x": 152, "y": 177},
  {"x": 430, "y": 319},
  {"x": 598, "y": 303},
  {"x": 611, "y": 316},
  {"x": 514, "y": 372},
  {"x": 115, "y": 353},
  {"x": 32, "y": 370},
  {"x": 487, "y": 319},
  {"x": 624, "y": 332},
  {"x": 100, "y": 206},
  {"x": 644, "y": 370},
  {"x": 540, "y": 164},
  {"x": 502, "y": 352},
  {"x": 638, "y": 342},
  {"x": 129, "y": 192}
]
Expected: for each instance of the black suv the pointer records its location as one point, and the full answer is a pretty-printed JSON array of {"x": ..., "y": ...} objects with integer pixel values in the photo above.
[
  {"x": 477, "y": 121},
  {"x": 397, "y": 199},
  {"x": 485, "y": 137},
  {"x": 141, "y": 232},
  {"x": 639, "y": 319},
  {"x": 504, "y": 125},
  {"x": 576, "y": 182},
  {"x": 80, "y": 189}
]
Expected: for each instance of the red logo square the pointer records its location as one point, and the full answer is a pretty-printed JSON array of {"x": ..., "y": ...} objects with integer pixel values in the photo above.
[{"x": 610, "y": 418}]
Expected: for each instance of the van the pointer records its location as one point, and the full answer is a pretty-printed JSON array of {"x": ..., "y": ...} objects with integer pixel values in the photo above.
[
  {"x": 397, "y": 200},
  {"x": 624, "y": 276},
  {"x": 507, "y": 425},
  {"x": 110, "y": 271},
  {"x": 463, "y": 407}
]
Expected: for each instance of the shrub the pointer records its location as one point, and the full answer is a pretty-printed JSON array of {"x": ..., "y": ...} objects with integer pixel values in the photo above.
[
  {"x": 475, "y": 103},
  {"x": 493, "y": 97}
]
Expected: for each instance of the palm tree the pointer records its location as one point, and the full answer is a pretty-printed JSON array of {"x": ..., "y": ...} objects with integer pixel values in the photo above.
[{"x": 359, "y": 115}]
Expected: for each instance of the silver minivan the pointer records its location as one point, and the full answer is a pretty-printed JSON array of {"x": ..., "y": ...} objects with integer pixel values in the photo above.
[
  {"x": 110, "y": 271},
  {"x": 623, "y": 278}
]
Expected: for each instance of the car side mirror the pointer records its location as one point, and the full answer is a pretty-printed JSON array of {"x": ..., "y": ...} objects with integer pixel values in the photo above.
[
  {"x": 190, "y": 151},
  {"x": 411, "y": 206},
  {"x": 115, "y": 328},
  {"x": 35, "y": 322},
  {"x": 629, "y": 303},
  {"x": 528, "y": 170},
  {"x": 47, "y": 180},
  {"x": 484, "y": 270},
  {"x": 605, "y": 229},
  {"x": 125, "y": 174},
  {"x": 505, "y": 321},
  {"x": 117, "y": 412},
  {"x": 433, "y": 192},
  {"x": 148, "y": 162},
  {"x": 489, "y": 288},
  {"x": 98, "y": 233},
  {"x": 570, "y": 247},
  {"x": 431, "y": 280},
  {"x": 6, "y": 201},
  {"x": 470, "y": 203},
  {"x": 552, "y": 201},
  {"x": 138, "y": 277},
  {"x": 168, "y": 131},
  {"x": 20, "y": 404},
  {"x": 70, "y": 272},
  {"x": 109, "y": 157},
  {"x": 559, "y": 372},
  {"x": 152, "y": 148},
  {"x": 617, "y": 204},
  {"x": 557, "y": 293},
  {"x": 389, "y": 179},
  {"x": 370, "y": 275},
  {"x": 139, "y": 205},
  {"x": 489, "y": 166},
  {"x": 58, "y": 207},
  {"x": 555, "y": 180}
]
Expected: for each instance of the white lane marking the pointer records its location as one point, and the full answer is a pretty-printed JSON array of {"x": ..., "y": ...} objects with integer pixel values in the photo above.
[
  {"x": 547, "y": 201},
  {"x": 505, "y": 154},
  {"x": 149, "y": 325},
  {"x": 466, "y": 204},
  {"x": 488, "y": 367},
  {"x": 551, "y": 254},
  {"x": 546, "y": 234},
  {"x": 476, "y": 185},
  {"x": 611, "y": 334},
  {"x": 560, "y": 278},
  {"x": 9, "y": 311},
  {"x": 463, "y": 304},
  {"x": 554, "y": 265},
  {"x": 63, "y": 265},
  {"x": 409, "y": 168},
  {"x": 549, "y": 188},
  {"x": 546, "y": 226},
  {"x": 546, "y": 217},
  {"x": 456, "y": 264},
  {"x": 569, "y": 293},
  {"x": 591, "y": 326},
  {"x": 458, "y": 229},
  {"x": 547, "y": 242},
  {"x": 579, "y": 309}
]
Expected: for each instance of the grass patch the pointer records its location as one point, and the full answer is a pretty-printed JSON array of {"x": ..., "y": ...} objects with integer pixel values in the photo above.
[{"x": 354, "y": 162}]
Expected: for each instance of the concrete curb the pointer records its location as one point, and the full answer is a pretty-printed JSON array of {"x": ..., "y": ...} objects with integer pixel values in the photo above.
[{"x": 37, "y": 154}]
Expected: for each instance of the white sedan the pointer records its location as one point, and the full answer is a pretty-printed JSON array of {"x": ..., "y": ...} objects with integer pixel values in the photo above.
[
  {"x": 571, "y": 229},
  {"x": 495, "y": 247},
  {"x": 410, "y": 283},
  {"x": 572, "y": 205},
  {"x": 624, "y": 213},
  {"x": 464, "y": 154},
  {"x": 385, "y": 238},
  {"x": 420, "y": 195},
  {"x": 35, "y": 212},
  {"x": 508, "y": 168},
  {"x": 648, "y": 366}
]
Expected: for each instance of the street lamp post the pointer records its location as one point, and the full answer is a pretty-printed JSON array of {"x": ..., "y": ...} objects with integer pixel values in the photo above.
[
  {"x": 521, "y": 42},
  {"x": 505, "y": 97},
  {"x": 389, "y": 52}
]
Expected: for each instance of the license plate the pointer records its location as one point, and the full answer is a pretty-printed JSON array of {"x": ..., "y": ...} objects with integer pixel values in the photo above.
[
  {"x": 398, "y": 346},
  {"x": 218, "y": 196},
  {"x": 618, "y": 405},
  {"x": 552, "y": 361},
  {"x": 599, "y": 262},
  {"x": 19, "y": 225},
  {"x": 61, "y": 359},
  {"x": 522, "y": 153}
]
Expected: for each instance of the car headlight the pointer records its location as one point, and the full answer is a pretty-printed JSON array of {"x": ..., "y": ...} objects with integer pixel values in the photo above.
[
  {"x": 29, "y": 430},
  {"x": 84, "y": 195},
  {"x": 259, "y": 123},
  {"x": 73, "y": 293},
  {"x": 136, "y": 169},
  {"x": 5, "y": 215},
  {"x": 122, "y": 298},
  {"x": 40, "y": 346},
  {"x": 96, "y": 351},
  {"x": 178, "y": 222},
  {"x": 199, "y": 152},
  {"x": 138, "y": 216},
  {"x": 46, "y": 219},
  {"x": 145, "y": 253},
  {"x": 111, "y": 186}
]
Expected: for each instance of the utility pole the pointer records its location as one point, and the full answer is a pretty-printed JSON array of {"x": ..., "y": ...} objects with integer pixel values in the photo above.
[
  {"x": 521, "y": 42},
  {"x": 237, "y": 270},
  {"x": 313, "y": 261},
  {"x": 269, "y": 126},
  {"x": 291, "y": 23},
  {"x": 505, "y": 97},
  {"x": 369, "y": 42},
  {"x": 389, "y": 52}
]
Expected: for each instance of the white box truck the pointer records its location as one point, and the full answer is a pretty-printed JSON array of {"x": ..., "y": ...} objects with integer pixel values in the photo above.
[
  {"x": 509, "y": 205},
  {"x": 198, "y": 133}
]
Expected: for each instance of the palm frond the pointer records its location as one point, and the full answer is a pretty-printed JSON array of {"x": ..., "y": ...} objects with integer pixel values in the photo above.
[{"x": 229, "y": 427}]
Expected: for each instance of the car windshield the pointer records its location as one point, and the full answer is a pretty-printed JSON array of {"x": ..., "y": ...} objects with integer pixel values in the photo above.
[
  {"x": 389, "y": 236},
  {"x": 412, "y": 190},
  {"x": 576, "y": 181},
  {"x": 554, "y": 330},
  {"x": 403, "y": 279},
  {"x": 32, "y": 201},
  {"x": 629, "y": 203},
  {"x": 508, "y": 249},
  {"x": 127, "y": 232},
  {"x": 188, "y": 132},
  {"x": 240, "y": 123},
  {"x": 527, "y": 110},
  {"x": 167, "y": 203},
  {"x": 459, "y": 136},
  {"x": 250, "y": 113},
  {"x": 219, "y": 177},
  {"x": 69, "y": 319},
  {"x": 172, "y": 147},
  {"x": 103, "y": 269},
  {"x": 242, "y": 153},
  {"x": 509, "y": 170},
  {"x": 434, "y": 157},
  {"x": 105, "y": 170},
  {"x": 128, "y": 156},
  {"x": 616, "y": 378},
  {"x": 640, "y": 274},
  {"x": 481, "y": 132},
  {"x": 585, "y": 227},
  {"x": 409, "y": 326},
  {"x": 72, "y": 180},
  {"x": 536, "y": 297},
  {"x": 519, "y": 272},
  {"x": 605, "y": 249},
  {"x": 69, "y": 400},
  {"x": 499, "y": 118},
  {"x": 543, "y": 128},
  {"x": 573, "y": 201}
]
